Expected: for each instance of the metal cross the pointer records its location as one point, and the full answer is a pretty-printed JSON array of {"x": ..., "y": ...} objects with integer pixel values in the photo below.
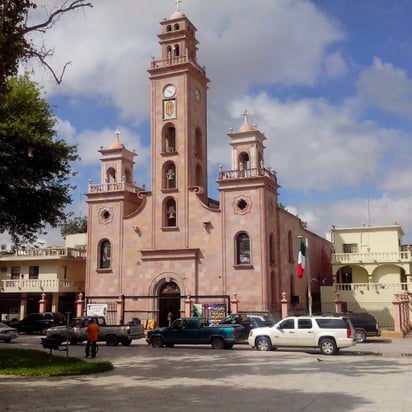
[
  {"x": 178, "y": 4},
  {"x": 245, "y": 114},
  {"x": 117, "y": 134}
]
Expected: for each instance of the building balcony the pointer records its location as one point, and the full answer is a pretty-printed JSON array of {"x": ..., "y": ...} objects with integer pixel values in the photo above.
[
  {"x": 43, "y": 253},
  {"x": 246, "y": 173},
  {"x": 113, "y": 187},
  {"x": 41, "y": 285},
  {"x": 390, "y": 288},
  {"x": 372, "y": 258}
]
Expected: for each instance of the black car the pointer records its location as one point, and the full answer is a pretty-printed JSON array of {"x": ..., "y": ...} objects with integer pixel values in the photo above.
[
  {"x": 365, "y": 325},
  {"x": 248, "y": 321},
  {"x": 39, "y": 322}
]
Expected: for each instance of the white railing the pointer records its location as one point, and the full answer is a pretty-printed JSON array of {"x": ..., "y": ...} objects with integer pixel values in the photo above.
[
  {"x": 41, "y": 285},
  {"x": 112, "y": 187},
  {"x": 379, "y": 257},
  {"x": 47, "y": 252},
  {"x": 172, "y": 61},
  {"x": 355, "y": 287},
  {"x": 246, "y": 173}
]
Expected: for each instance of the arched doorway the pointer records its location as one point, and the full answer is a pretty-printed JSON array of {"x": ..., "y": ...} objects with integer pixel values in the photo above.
[{"x": 169, "y": 301}]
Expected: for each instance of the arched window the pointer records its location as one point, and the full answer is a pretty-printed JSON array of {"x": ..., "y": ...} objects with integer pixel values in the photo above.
[
  {"x": 176, "y": 50},
  {"x": 198, "y": 143},
  {"x": 244, "y": 164},
  {"x": 168, "y": 27},
  {"x": 290, "y": 247},
  {"x": 105, "y": 255},
  {"x": 111, "y": 175},
  {"x": 169, "y": 212},
  {"x": 198, "y": 176},
  {"x": 169, "y": 175},
  {"x": 272, "y": 248},
  {"x": 169, "y": 139},
  {"x": 127, "y": 176},
  {"x": 177, "y": 27},
  {"x": 242, "y": 249}
]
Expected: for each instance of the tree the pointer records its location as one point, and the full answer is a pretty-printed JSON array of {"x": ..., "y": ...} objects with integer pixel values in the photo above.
[
  {"x": 34, "y": 165},
  {"x": 15, "y": 45},
  {"x": 71, "y": 226}
]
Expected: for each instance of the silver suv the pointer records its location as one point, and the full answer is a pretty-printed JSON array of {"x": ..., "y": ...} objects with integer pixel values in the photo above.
[{"x": 328, "y": 333}]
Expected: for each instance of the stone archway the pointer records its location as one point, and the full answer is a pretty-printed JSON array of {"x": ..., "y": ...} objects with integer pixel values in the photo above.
[{"x": 169, "y": 301}]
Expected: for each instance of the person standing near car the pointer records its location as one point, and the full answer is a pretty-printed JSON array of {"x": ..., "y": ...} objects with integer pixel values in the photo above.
[{"x": 92, "y": 332}]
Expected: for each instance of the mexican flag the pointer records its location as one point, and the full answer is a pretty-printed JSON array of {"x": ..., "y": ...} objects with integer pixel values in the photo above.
[{"x": 301, "y": 259}]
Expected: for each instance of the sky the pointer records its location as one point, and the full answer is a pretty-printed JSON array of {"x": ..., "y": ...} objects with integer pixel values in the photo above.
[{"x": 329, "y": 83}]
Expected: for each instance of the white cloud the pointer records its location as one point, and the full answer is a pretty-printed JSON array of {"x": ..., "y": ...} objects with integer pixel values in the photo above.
[
  {"x": 387, "y": 87},
  {"x": 314, "y": 145}
]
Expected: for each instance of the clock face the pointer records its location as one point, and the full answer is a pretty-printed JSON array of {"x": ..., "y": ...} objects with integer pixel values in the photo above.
[
  {"x": 197, "y": 94},
  {"x": 169, "y": 90}
]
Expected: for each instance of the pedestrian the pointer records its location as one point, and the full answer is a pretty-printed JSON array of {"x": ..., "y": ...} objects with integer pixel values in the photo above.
[
  {"x": 169, "y": 317},
  {"x": 92, "y": 332}
]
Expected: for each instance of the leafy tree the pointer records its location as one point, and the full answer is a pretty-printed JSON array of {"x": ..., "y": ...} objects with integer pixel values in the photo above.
[
  {"x": 71, "y": 226},
  {"x": 34, "y": 165},
  {"x": 16, "y": 45}
]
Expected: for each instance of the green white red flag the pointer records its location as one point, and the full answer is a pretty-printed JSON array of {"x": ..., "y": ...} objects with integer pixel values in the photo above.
[{"x": 301, "y": 259}]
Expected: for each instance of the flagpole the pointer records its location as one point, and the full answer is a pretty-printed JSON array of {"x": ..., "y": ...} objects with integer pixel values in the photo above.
[{"x": 307, "y": 270}]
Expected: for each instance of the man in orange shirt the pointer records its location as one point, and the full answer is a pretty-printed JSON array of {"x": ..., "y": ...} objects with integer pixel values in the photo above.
[{"x": 92, "y": 332}]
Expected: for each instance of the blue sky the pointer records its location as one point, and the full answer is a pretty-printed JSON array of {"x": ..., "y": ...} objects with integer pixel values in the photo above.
[{"x": 329, "y": 82}]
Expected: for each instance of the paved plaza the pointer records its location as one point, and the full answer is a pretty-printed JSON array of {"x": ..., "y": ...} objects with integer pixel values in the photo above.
[{"x": 374, "y": 376}]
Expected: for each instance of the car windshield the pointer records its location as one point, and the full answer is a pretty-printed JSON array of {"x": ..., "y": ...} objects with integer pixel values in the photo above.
[{"x": 3, "y": 325}]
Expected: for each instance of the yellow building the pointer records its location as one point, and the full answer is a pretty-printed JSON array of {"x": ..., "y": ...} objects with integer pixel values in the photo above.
[
  {"x": 369, "y": 265},
  {"x": 53, "y": 274}
]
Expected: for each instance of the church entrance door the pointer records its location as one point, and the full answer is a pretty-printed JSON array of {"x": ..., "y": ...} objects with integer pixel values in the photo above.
[{"x": 169, "y": 303}]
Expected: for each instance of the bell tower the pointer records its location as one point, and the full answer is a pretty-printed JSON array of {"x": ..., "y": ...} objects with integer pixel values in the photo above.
[{"x": 178, "y": 126}]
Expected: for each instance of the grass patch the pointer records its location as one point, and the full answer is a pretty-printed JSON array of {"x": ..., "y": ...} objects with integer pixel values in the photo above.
[{"x": 30, "y": 362}]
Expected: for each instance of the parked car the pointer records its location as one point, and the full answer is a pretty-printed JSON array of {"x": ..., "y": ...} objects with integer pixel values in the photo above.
[
  {"x": 192, "y": 331},
  {"x": 7, "y": 333},
  {"x": 248, "y": 321},
  {"x": 75, "y": 332},
  {"x": 328, "y": 333},
  {"x": 365, "y": 325},
  {"x": 39, "y": 322}
]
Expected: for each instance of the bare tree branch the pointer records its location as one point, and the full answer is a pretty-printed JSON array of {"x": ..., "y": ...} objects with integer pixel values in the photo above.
[{"x": 72, "y": 6}]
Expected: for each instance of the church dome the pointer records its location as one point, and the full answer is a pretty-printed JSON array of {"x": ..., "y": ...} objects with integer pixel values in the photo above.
[
  {"x": 176, "y": 15},
  {"x": 116, "y": 145},
  {"x": 246, "y": 127}
]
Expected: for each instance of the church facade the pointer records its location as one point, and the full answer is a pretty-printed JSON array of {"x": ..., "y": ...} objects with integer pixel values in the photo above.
[{"x": 151, "y": 252}]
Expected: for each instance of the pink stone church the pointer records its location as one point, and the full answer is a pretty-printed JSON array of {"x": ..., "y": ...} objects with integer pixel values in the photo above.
[{"x": 172, "y": 249}]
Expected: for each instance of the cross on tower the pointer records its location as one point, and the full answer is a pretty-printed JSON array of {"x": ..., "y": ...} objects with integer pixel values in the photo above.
[
  {"x": 245, "y": 114},
  {"x": 178, "y": 4},
  {"x": 117, "y": 134}
]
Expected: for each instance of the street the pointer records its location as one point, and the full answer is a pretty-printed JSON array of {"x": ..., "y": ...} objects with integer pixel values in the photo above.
[{"x": 373, "y": 376}]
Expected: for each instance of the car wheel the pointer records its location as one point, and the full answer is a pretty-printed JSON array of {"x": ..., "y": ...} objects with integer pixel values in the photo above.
[
  {"x": 169, "y": 345},
  {"x": 73, "y": 341},
  {"x": 157, "y": 342},
  {"x": 263, "y": 343},
  {"x": 228, "y": 345},
  {"x": 328, "y": 346},
  {"x": 112, "y": 340},
  {"x": 7, "y": 340},
  {"x": 218, "y": 343},
  {"x": 360, "y": 335},
  {"x": 126, "y": 342}
]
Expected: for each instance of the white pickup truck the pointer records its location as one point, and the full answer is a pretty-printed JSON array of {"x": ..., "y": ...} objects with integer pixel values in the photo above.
[{"x": 75, "y": 331}]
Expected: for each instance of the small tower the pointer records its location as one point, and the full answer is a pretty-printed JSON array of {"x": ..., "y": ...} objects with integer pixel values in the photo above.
[
  {"x": 247, "y": 149},
  {"x": 116, "y": 164}
]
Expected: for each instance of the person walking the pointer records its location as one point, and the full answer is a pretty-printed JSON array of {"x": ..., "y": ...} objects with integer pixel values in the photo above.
[{"x": 92, "y": 332}]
